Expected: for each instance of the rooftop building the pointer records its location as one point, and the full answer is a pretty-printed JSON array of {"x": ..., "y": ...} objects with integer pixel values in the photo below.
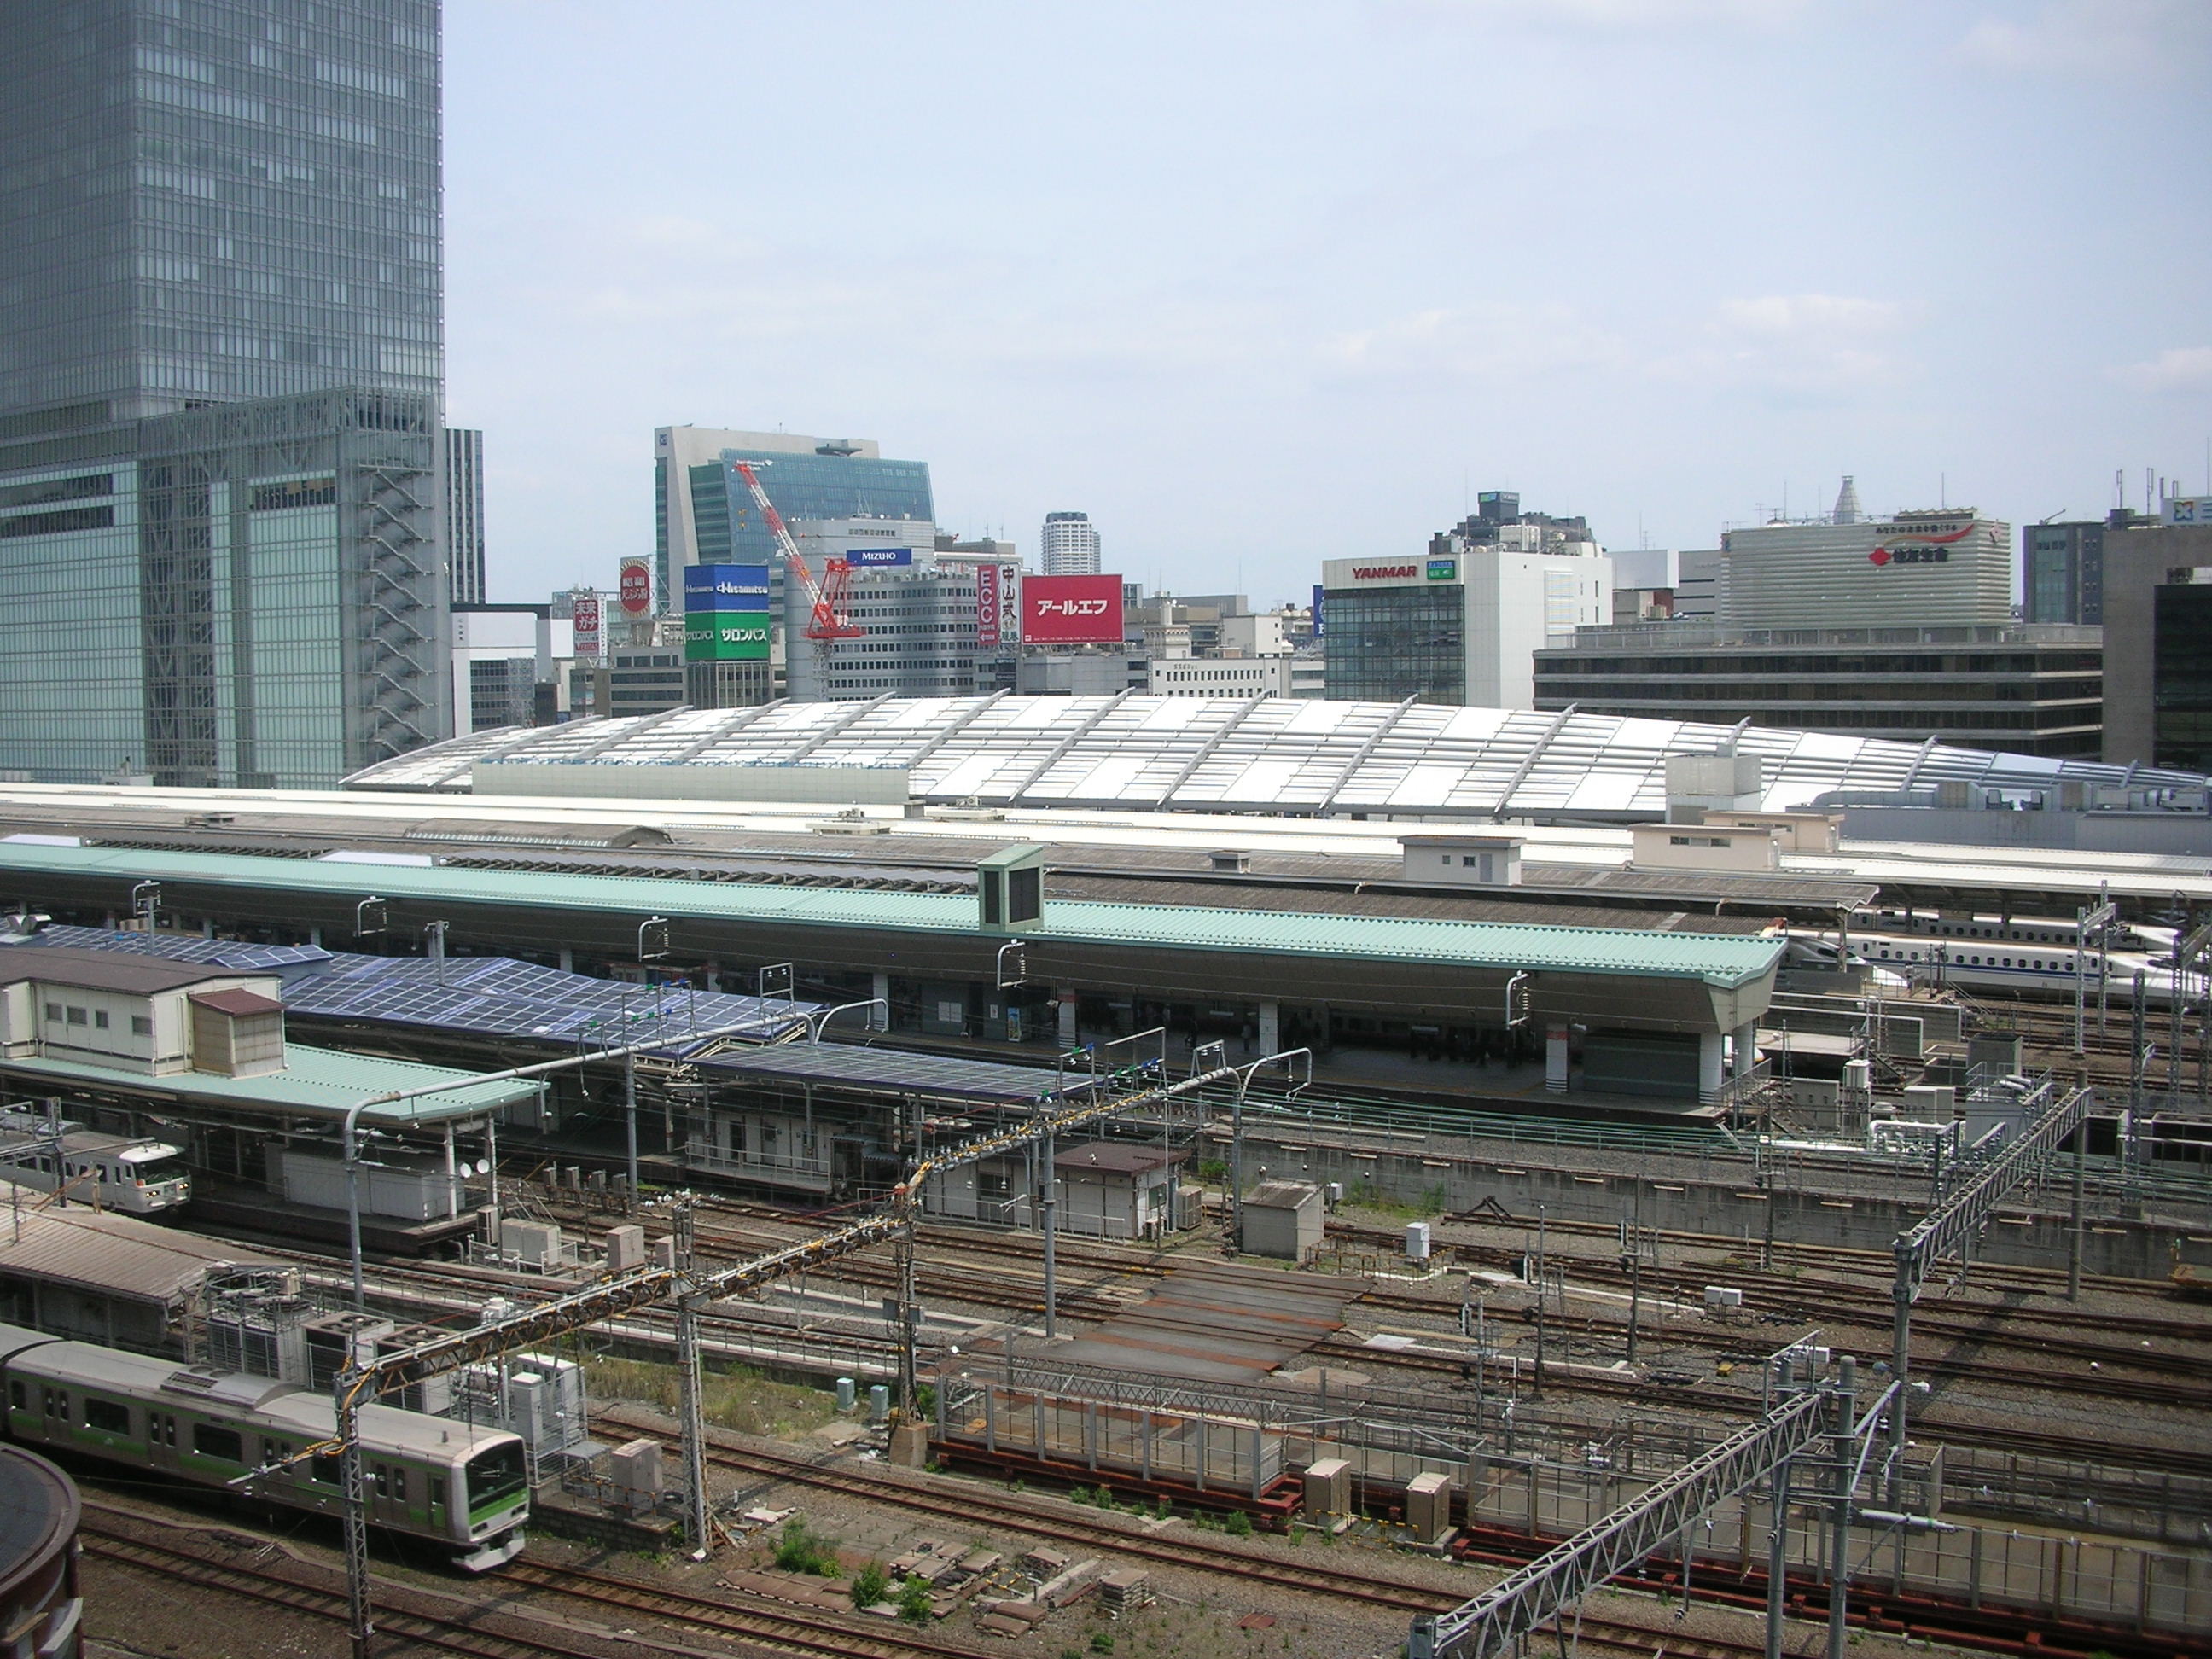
[
  {"x": 1069, "y": 545},
  {"x": 1945, "y": 566}
]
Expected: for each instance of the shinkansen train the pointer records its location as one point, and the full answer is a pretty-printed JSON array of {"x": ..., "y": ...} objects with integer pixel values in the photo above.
[
  {"x": 2002, "y": 930},
  {"x": 462, "y": 1487},
  {"x": 140, "y": 1176},
  {"x": 1998, "y": 965}
]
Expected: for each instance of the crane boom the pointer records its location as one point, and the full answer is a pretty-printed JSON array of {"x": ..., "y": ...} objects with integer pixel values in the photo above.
[{"x": 827, "y": 597}]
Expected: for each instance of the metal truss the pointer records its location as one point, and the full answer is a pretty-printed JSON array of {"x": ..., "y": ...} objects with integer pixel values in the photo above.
[{"x": 1525, "y": 1600}]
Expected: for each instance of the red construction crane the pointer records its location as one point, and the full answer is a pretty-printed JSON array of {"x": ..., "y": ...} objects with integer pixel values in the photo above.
[{"x": 827, "y": 596}]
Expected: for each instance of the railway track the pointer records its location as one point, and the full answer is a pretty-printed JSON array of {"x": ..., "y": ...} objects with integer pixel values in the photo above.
[
  {"x": 856, "y": 1637},
  {"x": 179, "y": 1566}
]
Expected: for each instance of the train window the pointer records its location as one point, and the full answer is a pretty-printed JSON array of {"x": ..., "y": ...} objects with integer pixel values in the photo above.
[
  {"x": 60, "y": 1406},
  {"x": 276, "y": 1451},
  {"x": 208, "y": 1441},
  {"x": 323, "y": 1467},
  {"x": 107, "y": 1416},
  {"x": 437, "y": 1491},
  {"x": 16, "y": 1396}
]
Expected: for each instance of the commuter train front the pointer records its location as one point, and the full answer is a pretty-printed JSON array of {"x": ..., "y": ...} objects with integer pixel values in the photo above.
[{"x": 464, "y": 1487}]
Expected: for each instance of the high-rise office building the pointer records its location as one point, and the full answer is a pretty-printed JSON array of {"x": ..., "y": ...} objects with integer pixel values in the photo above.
[
  {"x": 221, "y": 366},
  {"x": 1463, "y": 625},
  {"x": 1069, "y": 546},
  {"x": 704, "y": 514},
  {"x": 1942, "y": 567},
  {"x": 465, "y": 514}
]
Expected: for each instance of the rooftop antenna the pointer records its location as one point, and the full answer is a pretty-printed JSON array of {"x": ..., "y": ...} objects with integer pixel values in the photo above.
[
  {"x": 1944, "y": 490},
  {"x": 2149, "y": 473},
  {"x": 2119, "y": 489}
]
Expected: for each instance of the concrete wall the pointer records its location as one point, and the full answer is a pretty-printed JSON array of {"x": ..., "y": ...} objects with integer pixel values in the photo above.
[
  {"x": 2181, "y": 835},
  {"x": 878, "y": 786},
  {"x": 1726, "y": 1204}
]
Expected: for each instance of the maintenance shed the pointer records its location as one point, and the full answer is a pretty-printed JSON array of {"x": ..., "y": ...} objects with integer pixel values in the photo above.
[{"x": 95, "y": 1276}]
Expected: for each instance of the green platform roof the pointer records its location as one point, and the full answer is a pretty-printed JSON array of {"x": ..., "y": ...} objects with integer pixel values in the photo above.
[
  {"x": 317, "y": 1083},
  {"x": 1720, "y": 960}
]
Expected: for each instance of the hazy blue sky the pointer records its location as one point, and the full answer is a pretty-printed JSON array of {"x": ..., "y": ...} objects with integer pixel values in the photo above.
[{"x": 1260, "y": 284}]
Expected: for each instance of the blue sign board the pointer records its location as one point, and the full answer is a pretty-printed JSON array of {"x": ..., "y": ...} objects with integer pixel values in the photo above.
[
  {"x": 1317, "y": 592},
  {"x": 725, "y": 587},
  {"x": 871, "y": 558}
]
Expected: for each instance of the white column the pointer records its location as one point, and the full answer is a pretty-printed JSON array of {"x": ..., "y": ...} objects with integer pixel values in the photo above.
[
  {"x": 1746, "y": 1047},
  {"x": 879, "y": 1019},
  {"x": 1067, "y": 1038},
  {"x": 1271, "y": 1027},
  {"x": 1555, "y": 1059},
  {"x": 1708, "y": 1065}
]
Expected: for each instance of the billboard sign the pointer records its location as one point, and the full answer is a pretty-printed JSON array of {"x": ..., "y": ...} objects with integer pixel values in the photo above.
[
  {"x": 726, "y": 636},
  {"x": 636, "y": 587},
  {"x": 1318, "y": 627},
  {"x": 1071, "y": 609},
  {"x": 584, "y": 612},
  {"x": 725, "y": 587},
  {"x": 2189, "y": 509},
  {"x": 987, "y": 605},
  {"x": 873, "y": 558},
  {"x": 1443, "y": 570}
]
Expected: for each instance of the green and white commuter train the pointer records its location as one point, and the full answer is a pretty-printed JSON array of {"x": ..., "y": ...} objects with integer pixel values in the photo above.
[{"x": 461, "y": 1486}]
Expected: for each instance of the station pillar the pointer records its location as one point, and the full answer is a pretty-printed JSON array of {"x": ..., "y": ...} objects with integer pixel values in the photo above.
[
  {"x": 1066, "y": 1034},
  {"x": 1746, "y": 1047},
  {"x": 1555, "y": 1059},
  {"x": 1271, "y": 1027},
  {"x": 880, "y": 1017},
  {"x": 1708, "y": 1065}
]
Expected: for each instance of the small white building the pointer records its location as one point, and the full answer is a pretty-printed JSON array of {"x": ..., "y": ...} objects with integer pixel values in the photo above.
[
  {"x": 1220, "y": 676},
  {"x": 1284, "y": 1218},
  {"x": 1118, "y": 1188},
  {"x": 138, "y": 1013}
]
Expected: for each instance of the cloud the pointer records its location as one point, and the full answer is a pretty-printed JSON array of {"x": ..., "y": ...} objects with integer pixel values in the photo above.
[
  {"x": 1484, "y": 342},
  {"x": 2177, "y": 369},
  {"x": 1797, "y": 344},
  {"x": 2092, "y": 37}
]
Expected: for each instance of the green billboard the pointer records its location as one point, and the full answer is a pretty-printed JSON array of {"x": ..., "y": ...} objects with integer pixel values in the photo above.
[{"x": 726, "y": 636}]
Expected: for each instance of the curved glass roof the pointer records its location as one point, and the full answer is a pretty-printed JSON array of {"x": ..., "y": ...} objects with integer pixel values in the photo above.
[{"x": 1304, "y": 755}]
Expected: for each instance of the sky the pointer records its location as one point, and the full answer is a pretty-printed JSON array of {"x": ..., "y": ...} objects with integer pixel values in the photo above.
[{"x": 1257, "y": 285}]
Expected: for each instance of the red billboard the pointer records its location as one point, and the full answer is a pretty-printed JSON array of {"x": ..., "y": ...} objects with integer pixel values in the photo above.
[
  {"x": 636, "y": 587},
  {"x": 586, "y": 613},
  {"x": 1071, "y": 609}
]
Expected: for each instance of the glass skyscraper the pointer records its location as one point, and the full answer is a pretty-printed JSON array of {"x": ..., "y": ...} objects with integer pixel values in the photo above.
[{"x": 222, "y": 537}]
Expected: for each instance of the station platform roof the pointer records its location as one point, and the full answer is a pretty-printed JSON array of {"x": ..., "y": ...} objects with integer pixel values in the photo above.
[
  {"x": 315, "y": 1083},
  {"x": 99, "y": 1251},
  {"x": 1717, "y": 961},
  {"x": 893, "y": 1071}
]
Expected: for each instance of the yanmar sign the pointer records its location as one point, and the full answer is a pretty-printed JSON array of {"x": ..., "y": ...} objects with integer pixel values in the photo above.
[{"x": 1384, "y": 572}]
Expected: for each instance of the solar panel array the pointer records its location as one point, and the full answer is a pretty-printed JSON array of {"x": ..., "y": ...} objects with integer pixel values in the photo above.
[
  {"x": 1271, "y": 754},
  {"x": 889, "y": 1071},
  {"x": 489, "y": 996}
]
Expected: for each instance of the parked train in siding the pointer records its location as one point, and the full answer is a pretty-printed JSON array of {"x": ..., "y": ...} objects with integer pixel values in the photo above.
[
  {"x": 462, "y": 1487},
  {"x": 1992, "y": 964},
  {"x": 136, "y": 1175},
  {"x": 2004, "y": 930}
]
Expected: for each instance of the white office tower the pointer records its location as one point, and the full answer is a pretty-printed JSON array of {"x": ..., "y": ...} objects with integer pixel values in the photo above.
[{"x": 1070, "y": 545}]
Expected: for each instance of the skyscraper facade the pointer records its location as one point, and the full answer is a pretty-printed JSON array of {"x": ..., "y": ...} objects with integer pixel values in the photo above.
[
  {"x": 1069, "y": 546},
  {"x": 704, "y": 514},
  {"x": 221, "y": 388},
  {"x": 465, "y": 514}
]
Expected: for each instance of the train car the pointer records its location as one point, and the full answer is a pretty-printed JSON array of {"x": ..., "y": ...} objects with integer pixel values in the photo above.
[
  {"x": 1994, "y": 964},
  {"x": 137, "y": 1176},
  {"x": 2003, "y": 930},
  {"x": 462, "y": 1488}
]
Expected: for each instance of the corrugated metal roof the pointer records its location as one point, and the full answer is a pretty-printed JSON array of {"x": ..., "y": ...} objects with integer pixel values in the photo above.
[
  {"x": 888, "y": 1070},
  {"x": 99, "y": 1250},
  {"x": 1725, "y": 961},
  {"x": 108, "y": 970},
  {"x": 314, "y": 1083}
]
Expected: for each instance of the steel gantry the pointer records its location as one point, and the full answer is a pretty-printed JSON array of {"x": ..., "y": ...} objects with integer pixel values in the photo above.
[
  {"x": 363, "y": 1380},
  {"x": 1950, "y": 1228},
  {"x": 1500, "y": 1619}
]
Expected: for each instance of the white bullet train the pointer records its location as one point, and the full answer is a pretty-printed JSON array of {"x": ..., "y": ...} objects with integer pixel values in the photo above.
[{"x": 2022, "y": 956}]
